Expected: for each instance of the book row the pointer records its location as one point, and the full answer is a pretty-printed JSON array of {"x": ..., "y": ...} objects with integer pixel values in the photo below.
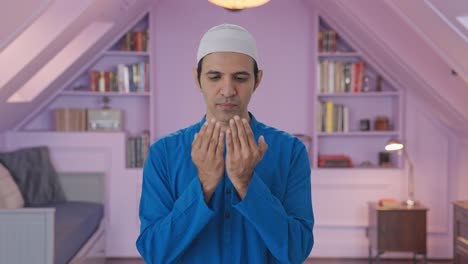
[
  {"x": 126, "y": 79},
  {"x": 332, "y": 117},
  {"x": 341, "y": 77},
  {"x": 137, "y": 150},
  {"x": 134, "y": 41},
  {"x": 70, "y": 119},
  {"x": 327, "y": 41}
]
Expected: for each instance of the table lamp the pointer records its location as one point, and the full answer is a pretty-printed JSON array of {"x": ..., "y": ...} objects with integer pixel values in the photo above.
[{"x": 396, "y": 145}]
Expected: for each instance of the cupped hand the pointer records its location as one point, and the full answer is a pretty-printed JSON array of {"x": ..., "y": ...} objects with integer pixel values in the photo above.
[
  {"x": 207, "y": 155},
  {"x": 243, "y": 153}
]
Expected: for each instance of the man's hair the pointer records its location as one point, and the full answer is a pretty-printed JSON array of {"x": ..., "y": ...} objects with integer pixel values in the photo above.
[{"x": 199, "y": 70}]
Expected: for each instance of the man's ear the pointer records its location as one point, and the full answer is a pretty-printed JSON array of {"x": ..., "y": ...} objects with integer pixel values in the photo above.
[
  {"x": 259, "y": 79},
  {"x": 195, "y": 77}
]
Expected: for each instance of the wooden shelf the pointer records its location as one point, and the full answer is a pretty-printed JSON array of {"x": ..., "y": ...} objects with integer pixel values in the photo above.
[
  {"x": 355, "y": 168},
  {"x": 338, "y": 54},
  {"x": 89, "y": 93},
  {"x": 358, "y": 134},
  {"x": 360, "y": 94},
  {"x": 126, "y": 53},
  {"x": 138, "y": 170}
]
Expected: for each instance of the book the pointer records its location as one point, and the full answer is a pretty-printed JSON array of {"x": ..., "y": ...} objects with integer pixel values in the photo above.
[
  {"x": 329, "y": 116},
  {"x": 389, "y": 202},
  {"x": 70, "y": 119}
]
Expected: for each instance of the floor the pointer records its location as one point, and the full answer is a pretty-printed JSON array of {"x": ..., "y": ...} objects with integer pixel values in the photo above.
[{"x": 309, "y": 261}]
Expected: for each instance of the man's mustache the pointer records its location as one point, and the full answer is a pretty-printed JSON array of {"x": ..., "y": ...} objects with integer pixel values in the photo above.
[{"x": 225, "y": 100}]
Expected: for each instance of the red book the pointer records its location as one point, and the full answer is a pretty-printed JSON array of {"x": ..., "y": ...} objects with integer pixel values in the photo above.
[
  {"x": 388, "y": 202},
  {"x": 93, "y": 80},
  {"x": 107, "y": 81},
  {"x": 138, "y": 40}
]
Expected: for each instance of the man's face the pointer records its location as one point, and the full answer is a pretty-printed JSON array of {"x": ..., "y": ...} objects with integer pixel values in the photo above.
[{"x": 227, "y": 82}]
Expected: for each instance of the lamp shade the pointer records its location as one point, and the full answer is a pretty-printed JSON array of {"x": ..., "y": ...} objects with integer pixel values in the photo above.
[
  {"x": 394, "y": 145},
  {"x": 238, "y": 4}
]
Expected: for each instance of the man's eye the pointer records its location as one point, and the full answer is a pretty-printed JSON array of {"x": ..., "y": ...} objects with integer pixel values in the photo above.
[
  {"x": 241, "y": 78},
  {"x": 214, "y": 78}
]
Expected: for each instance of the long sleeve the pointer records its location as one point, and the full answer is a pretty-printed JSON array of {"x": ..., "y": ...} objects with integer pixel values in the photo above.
[
  {"x": 284, "y": 225},
  {"x": 168, "y": 224}
]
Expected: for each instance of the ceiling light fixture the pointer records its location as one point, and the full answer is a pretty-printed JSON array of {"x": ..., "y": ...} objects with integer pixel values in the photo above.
[{"x": 238, "y": 4}]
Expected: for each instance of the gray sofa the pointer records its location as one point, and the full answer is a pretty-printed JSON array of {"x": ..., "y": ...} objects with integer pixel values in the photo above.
[{"x": 50, "y": 228}]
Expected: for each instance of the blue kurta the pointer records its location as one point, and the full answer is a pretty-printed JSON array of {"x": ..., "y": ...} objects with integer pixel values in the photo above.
[{"x": 272, "y": 224}]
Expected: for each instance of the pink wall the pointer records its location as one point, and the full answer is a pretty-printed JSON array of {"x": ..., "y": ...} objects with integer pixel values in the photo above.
[
  {"x": 284, "y": 31},
  {"x": 282, "y": 99}
]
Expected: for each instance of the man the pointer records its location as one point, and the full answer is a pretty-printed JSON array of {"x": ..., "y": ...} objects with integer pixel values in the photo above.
[{"x": 210, "y": 193}]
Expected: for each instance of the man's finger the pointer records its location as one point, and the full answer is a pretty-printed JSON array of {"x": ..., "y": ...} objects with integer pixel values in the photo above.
[
  {"x": 220, "y": 147},
  {"x": 198, "y": 136},
  {"x": 262, "y": 146},
  {"x": 249, "y": 134},
  {"x": 195, "y": 141},
  {"x": 234, "y": 136},
  {"x": 214, "y": 139},
  {"x": 244, "y": 144},
  {"x": 208, "y": 133},
  {"x": 229, "y": 144}
]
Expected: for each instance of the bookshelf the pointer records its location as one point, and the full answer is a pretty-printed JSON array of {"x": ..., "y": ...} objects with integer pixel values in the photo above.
[
  {"x": 121, "y": 157},
  {"x": 357, "y": 109},
  {"x": 120, "y": 74}
]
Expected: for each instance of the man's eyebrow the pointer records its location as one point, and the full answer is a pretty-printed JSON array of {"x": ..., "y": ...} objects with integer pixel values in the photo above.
[
  {"x": 242, "y": 73},
  {"x": 236, "y": 73}
]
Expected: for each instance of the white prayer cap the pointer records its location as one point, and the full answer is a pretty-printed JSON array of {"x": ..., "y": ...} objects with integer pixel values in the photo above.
[{"x": 227, "y": 38}]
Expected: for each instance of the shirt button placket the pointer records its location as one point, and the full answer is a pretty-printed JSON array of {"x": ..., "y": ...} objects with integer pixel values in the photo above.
[
  {"x": 227, "y": 215},
  {"x": 227, "y": 224}
]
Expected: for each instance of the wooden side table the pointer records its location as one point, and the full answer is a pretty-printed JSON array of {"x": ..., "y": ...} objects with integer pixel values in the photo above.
[
  {"x": 460, "y": 232},
  {"x": 399, "y": 228}
]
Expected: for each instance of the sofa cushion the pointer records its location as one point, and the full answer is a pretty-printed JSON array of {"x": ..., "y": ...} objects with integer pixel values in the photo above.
[
  {"x": 35, "y": 175},
  {"x": 75, "y": 223},
  {"x": 10, "y": 196}
]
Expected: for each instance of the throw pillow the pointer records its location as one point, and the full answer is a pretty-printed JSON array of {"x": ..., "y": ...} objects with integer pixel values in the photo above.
[
  {"x": 37, "y": 179},
  {"x": 10, "y": 196}
]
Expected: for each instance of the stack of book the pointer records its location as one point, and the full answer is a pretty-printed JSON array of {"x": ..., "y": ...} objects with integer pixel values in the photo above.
[
  {"x": 332, "y": 117},
  {"x": 389, "y": 203},
  {"x": 137, "y": 149},
  {"x": 327, "y": 41},
  {"x": 70, "y": 119},
  {"x": 126, "y": 79},
  {"x": 340, "y": 77},
  {"x": 134, "y": 41}
]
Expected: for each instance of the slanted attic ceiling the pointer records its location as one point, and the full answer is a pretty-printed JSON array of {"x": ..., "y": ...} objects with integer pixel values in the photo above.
[
  {"x": 393, "y": 41},
  {"x": 20, "y": 19},
  {"x": 416, "y": 43},
  {"x": 26, "y": 61}
]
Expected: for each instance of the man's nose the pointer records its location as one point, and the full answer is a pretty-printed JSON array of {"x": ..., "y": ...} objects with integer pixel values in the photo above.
[{"x": 228, "y": 89}]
